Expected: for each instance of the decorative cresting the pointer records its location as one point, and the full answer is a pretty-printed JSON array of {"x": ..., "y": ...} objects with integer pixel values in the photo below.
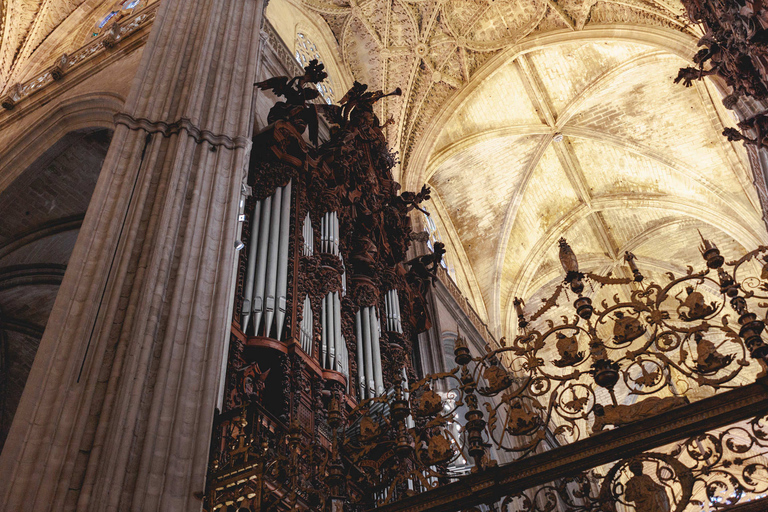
[
  {"x": 318, "y": 322},
  {"x": 706, "y": 472},
  {"x": 602, "y": 352}
]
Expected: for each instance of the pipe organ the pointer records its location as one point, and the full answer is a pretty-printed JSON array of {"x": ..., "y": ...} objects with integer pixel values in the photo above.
[
  {"x": 307, "y": 327},
  {"x": 266, "y": 281},
  {"x": 368, "y": 331},
  {"x": 329, "y": 239},
  {"x": 392, "y": 307},
  {"x": 318, "y": 324}
]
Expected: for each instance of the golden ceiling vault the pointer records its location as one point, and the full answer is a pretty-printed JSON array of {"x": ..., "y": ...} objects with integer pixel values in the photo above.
[{"x": 536, "y": 120}]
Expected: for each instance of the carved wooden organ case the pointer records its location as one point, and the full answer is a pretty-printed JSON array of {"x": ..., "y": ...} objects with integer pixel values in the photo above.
[{"x": 326, "y": 309}]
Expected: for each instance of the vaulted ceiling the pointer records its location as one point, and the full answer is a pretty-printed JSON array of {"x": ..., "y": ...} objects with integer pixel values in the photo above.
[
  {"x": 597, "y": 145},
  {"x": 536, "y": 119},
  {"x": 33, "y": 33},
  {"x": 434, "y": 48}
]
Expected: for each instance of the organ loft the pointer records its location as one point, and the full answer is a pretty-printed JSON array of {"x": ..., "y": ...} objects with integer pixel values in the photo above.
[{"x": 400, "y": 255}]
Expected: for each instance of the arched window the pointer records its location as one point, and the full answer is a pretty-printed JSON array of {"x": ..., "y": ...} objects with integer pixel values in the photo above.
[
  {"x": 306, "y": 51},
  {"x": 118, "y": 10}
]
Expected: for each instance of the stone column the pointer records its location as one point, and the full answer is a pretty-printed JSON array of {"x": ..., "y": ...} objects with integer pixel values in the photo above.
[{"x": 119, "y": 403}]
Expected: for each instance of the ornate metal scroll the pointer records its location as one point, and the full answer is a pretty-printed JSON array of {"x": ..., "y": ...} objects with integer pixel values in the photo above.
[
  {"x": 707, "y": 472},
  {"x": 606, "y": 362}
]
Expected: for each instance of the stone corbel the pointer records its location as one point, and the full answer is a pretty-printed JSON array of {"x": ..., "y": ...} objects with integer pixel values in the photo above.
[
  {"x": 61, "y": 65},
  {"x": 112, "y": 36},
  {"x": 10, "y": 99}
]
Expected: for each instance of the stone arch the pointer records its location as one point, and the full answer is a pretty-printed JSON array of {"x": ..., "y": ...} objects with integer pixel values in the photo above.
[
  {"x": 87, "y": 111},
  {"x": 42, "y": 206}
]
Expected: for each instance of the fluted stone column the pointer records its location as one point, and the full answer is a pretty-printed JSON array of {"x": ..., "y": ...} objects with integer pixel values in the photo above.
[{"x": 117, "y": 413}]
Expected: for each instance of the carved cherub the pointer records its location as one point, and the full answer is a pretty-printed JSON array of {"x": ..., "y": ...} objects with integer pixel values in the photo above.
[
  {"x": 644, "y": 492},
  {"x": 250, "y": 384},
  {"x": 619, "y": 415},
  {"x": 408, "y": 201},
  {"x": 708, "y": 359},
  {"x": 423, "y": 269},
  {"x": 364, "y": 256},
  {"x": 355, "y": 108},
  {"x": 568, "y": 348},
  {"x": 696, "y": 306},
  {"x": 758, "y": 124},
  {"x": 297, "y": 91},
  {"x": 689, "y": 74},
  {"x": 626, "y": 328}
]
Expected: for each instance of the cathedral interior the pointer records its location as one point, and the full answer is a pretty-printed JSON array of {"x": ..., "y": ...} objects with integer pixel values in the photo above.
[{"x": 408, "y": 255}]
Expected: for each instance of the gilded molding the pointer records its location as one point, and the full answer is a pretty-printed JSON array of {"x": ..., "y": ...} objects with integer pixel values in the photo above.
[{"x": 186, "y": 125}]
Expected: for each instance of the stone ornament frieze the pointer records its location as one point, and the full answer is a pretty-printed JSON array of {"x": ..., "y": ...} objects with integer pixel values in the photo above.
[
  {"x": 65, "y": 63},
  {"x": 434, "y": 47}
]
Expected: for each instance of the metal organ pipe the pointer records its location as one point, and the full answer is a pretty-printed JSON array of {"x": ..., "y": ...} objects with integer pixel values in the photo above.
[
  {"x": 309, "y": 235},
  {"x": 375, "y": 333},
  {"x": 367, "y": 351},
  {"x": 398, "y": 311},
  {"x": 337, "y": 331},
  {"x": 306, "y": 328},
  {"x": 361, "y": 375},
  {"x": 324, "y": 234},
  {"x": 282, "y": 259},
  {"x": 331, "y": 323},
  {"x": 329, "y": 234},
  {"x": 334, "y": 355},
  {"x": 251, "y": 270},
  {"x": 261, "y": 264},
  {"x": 388, "y": 309},
  {"x": 392, "y": 310},
  {"x": 323, "y": 333},
  {"x": 409, "y": 422},
  {"x": 335, "y": 238},
  {"x": 274, "y": 243}
]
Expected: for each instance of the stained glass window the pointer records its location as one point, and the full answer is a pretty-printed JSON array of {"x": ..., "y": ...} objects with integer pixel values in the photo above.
[
  {"x": 306, "y": 51},
  {"x": 117, "y": 11}
]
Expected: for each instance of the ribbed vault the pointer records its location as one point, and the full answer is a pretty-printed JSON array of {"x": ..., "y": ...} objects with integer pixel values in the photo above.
[{"x": 593, "y": 142}]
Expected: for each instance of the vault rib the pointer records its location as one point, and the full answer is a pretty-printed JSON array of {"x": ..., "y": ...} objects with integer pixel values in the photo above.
[
  {"x": 600, "y": 82},
  {"x": 506, "y": 229}
]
